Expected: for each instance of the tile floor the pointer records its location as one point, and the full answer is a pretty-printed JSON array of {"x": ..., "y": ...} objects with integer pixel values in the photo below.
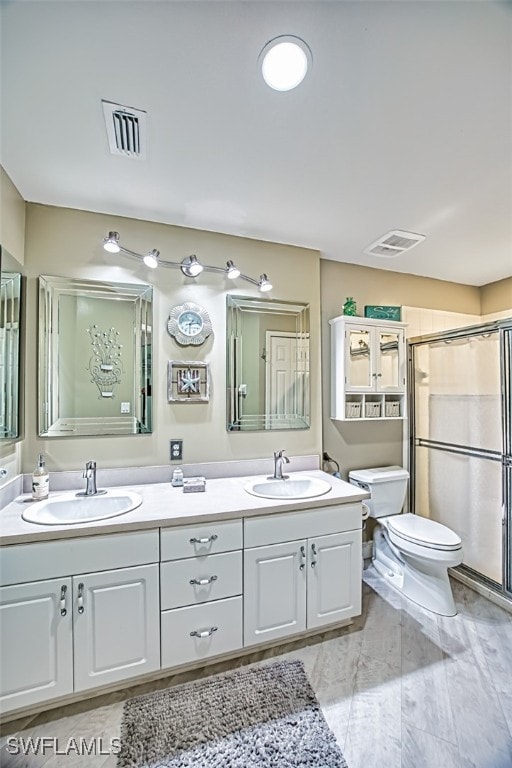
[{"x": 400, "y": 688}]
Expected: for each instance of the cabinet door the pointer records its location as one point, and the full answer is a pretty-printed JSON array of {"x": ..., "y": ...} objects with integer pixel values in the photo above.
[
  {"x": 116, "y": 625},
  {"x": 334, "y": 578},
  {"x": 274, "y": 591},
  {"x": 359, "y": 362},
  {"x": 390, "y": 360},
  {"x": 36, "y": 651}
]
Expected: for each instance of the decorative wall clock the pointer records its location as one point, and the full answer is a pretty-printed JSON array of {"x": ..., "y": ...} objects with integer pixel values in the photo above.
[
  {"x": 189, "y": 324},
  {"x": 187, "y": 382}
]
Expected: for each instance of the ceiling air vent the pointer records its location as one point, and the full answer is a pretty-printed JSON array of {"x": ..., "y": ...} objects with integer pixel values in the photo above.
[
  {"x": 394, "y": 243},
  {"x": 126, "y": 130}
]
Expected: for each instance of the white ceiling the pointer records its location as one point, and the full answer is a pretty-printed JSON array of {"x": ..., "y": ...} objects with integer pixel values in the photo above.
[{"x": 404, "y": 122}]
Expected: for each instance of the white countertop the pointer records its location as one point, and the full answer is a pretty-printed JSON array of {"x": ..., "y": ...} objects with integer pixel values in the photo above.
[{"x": 164, "y": 506}]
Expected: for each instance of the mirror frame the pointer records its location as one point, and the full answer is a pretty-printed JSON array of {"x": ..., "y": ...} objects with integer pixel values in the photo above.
[
  {"x": 11, "y": 276},
  {"x": 51, "y": 423},
  {"x": 237, "y": 307}
]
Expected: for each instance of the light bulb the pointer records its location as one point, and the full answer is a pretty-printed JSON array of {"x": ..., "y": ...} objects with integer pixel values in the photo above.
[
  {"x": 284, "y": 62},
  {"x": 151, "y": 259},
  {"x": 265, "y": 284},
  {"x": 111, "y": 242},
  {"x": 232, "y": 271},
  {"x": 191, "y": 267}
]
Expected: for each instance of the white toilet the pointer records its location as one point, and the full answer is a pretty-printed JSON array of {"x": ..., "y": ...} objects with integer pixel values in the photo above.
[{"x": 411, "y": 552}]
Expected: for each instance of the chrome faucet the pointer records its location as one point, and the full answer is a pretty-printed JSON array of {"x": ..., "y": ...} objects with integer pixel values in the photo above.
[
  {"x": 90, "y": 479},
  {"x": 279, "y": 460}
]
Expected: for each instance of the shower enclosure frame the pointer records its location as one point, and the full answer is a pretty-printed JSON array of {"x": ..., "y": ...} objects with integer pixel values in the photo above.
[{"x": 504, "y": 329}]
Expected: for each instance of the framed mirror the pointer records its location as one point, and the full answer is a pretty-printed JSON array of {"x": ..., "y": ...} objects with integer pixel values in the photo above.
[
  {"x": 10, "y": 320},
  {"x": 267, "y": 364},
  {"x": 95, "y": 374}
]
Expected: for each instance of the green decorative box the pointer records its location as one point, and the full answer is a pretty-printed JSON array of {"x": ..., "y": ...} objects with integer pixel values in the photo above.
[{"x": 383, "y": 313}]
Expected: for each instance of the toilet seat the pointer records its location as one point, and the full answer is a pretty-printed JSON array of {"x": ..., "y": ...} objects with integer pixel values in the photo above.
[{"x": 423, "y": 532}]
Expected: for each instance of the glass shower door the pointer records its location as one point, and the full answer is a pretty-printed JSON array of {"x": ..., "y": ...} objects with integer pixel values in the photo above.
[{"x": 458, "y": 450}]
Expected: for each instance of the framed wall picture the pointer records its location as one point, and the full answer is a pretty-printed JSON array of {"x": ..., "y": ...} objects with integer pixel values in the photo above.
[
  {"x": 188, "y": 382},
  {"x": 383, "y": 312}
]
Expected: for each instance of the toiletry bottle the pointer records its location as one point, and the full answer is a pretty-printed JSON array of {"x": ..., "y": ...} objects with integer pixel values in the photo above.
[
  {"x": 177, "y": 477},
  {"x": 40, "y": 480}
]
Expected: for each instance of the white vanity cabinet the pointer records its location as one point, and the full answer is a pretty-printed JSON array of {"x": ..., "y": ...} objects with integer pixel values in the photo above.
[
  {"x": 94, "y": 612},
  {"x": 368, "y": 369},
  {"x": 62, "y": 633},
  {"x": 308, "y": 577},
  {"x": 201, "y": 591}
]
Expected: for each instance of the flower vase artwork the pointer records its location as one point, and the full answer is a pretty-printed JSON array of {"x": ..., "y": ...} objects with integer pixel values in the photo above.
[
  {"x": 105, "y": 364},
  {"x": 350, "y": 307}
]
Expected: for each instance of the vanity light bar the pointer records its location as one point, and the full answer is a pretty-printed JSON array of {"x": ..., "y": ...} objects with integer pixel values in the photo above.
[{"x": 190, "y": 265}]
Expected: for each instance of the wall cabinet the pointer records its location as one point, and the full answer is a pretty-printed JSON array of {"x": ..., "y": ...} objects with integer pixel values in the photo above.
[
  {"x": 368, "y": 369},
  {"x": 302, "y": 584},
  {"x": 74, "y": 633}
]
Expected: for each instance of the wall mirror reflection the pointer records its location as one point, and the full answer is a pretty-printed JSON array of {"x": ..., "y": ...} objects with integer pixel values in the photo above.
[
  {"x": 267, "y": 364},
  {"x": 10, "y": 319},
  {"x": 94, "y": 357}
]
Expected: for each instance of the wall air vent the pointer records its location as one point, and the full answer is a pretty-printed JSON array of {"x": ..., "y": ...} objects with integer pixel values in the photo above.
[
  {"x": 394, "y": 243},
  {"x": 126, "y": 130}
]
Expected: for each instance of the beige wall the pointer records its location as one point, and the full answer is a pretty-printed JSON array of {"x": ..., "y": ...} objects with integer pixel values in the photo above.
[
  {"x": 68, "y": 242},
  {"x": 497, "y": 297},
  {"x": 12, "y": 238},
  {"x": 12, "y": 218},
  {"x": 376, "y": 443}
]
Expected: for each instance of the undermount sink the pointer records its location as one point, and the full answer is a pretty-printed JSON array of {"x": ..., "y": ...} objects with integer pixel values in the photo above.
[
  {"x": 70, "y": 509},
  {"x": 301, "y": 487}
]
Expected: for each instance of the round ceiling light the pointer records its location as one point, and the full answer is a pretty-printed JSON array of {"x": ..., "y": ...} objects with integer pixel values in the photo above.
[{"x": 284, "y": 62}]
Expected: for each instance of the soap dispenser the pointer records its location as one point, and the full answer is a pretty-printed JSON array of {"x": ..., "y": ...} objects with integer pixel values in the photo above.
[{"x": 40, "y": 480}]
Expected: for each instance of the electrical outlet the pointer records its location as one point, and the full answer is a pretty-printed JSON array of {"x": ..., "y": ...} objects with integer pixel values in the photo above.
[
  {"x": 125, "y": 407},
  {"x": 176, "y": 450}
]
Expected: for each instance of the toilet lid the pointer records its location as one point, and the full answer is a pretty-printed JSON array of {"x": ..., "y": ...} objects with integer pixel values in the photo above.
[{"x": 425, "y": 532}]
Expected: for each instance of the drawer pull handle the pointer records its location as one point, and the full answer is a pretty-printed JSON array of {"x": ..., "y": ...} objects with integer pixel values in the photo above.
[
  {"x": 206, "y": 540},
  {"x": 314, "y": 553},
  {"x": 303, "y": 557},
  {"x": 80, "y": 599},
  {"x": 204, "y": 633},
  {"x": 63, "y": 609},
  {"x": 203, "y": 582}
]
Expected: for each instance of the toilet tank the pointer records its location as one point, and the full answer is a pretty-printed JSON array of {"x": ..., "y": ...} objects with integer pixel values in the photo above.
[{"x": 387, "y": 485}]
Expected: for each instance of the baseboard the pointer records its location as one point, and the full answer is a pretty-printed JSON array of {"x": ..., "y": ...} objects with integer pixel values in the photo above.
[
  {"x": 490, "y": 594},
  {"x": 367, "y": 550}
]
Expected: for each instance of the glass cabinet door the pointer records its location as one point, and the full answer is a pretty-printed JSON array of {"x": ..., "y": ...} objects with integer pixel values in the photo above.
[
  {"x": 358, "y": 365},
  {"x": 389, "y": 372}
]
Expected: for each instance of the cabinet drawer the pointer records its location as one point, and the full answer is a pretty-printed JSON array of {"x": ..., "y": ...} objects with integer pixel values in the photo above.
[
  {"x": 53, "y": 559},
  {"x": 304, "y": 524},
  {"x": 202, "y": 539},
  {"x": 222, "y": 575},
  {"x": 220, "y": 622}
]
